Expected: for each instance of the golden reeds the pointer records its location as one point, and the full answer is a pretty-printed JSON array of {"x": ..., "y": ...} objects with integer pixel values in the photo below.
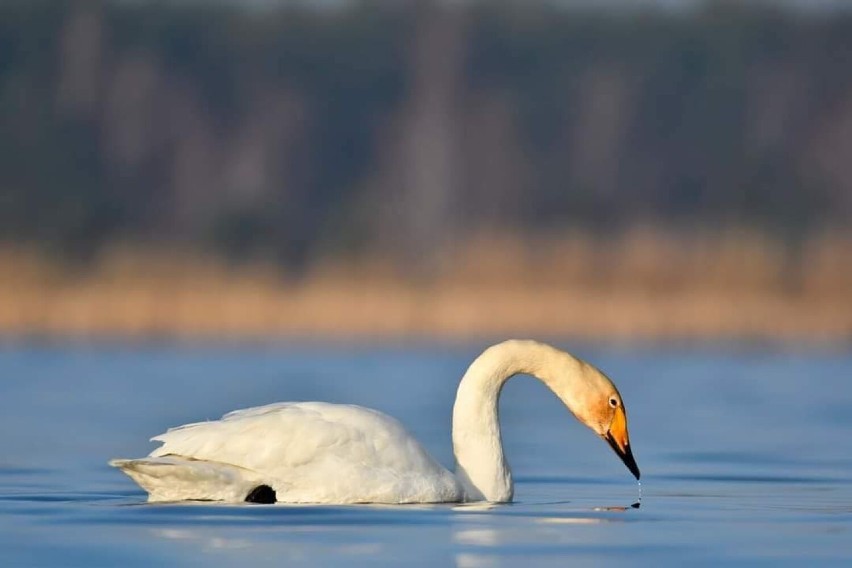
[{"x": 643, "y": 284}]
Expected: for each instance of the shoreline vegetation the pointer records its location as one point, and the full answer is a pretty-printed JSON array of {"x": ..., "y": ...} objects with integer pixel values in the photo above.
[
  {"x": 644, "y": 284},
  {"x": 384, "y": 170}
]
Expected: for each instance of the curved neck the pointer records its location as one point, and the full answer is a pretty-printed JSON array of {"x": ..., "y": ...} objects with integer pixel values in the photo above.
[{"x": 481, "y": 466}]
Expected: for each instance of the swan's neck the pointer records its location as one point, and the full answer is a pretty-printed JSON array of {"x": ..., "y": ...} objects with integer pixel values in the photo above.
[{"x": 481, "y": 466}]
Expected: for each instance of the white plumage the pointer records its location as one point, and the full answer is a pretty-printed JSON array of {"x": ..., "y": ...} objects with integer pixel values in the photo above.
[
  {"x": 316, "y": 452},
  {"x": 309, "y": 452}
]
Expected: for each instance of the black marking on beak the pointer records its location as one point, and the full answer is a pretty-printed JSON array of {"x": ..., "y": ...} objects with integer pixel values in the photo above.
[{"x": 626, "y": 455}]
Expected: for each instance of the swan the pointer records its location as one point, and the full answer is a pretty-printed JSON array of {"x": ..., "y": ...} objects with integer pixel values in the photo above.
[{"x": 317, "y": 452}]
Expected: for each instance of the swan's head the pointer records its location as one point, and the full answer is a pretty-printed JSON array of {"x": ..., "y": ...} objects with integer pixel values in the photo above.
[
  {"x": 616, "y": 433},
  {"x": 598, "y": 405}
]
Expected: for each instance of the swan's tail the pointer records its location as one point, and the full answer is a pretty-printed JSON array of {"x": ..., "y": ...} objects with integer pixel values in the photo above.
[{"x": 175, "y": 478}]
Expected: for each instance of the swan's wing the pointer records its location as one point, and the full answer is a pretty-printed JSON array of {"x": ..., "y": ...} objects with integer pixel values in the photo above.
[
  {"x": 314, "y": 451},
  {"x": 277, "y": 436},
  {"x": 175, "y": 478},
  {"x": 233, "y": 415}
]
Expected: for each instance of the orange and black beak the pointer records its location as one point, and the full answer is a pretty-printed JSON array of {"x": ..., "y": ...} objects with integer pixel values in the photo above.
[{"x": 620, "y": 442}]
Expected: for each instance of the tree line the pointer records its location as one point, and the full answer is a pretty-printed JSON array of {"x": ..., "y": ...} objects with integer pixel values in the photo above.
[{"x": 403, "y": 126}]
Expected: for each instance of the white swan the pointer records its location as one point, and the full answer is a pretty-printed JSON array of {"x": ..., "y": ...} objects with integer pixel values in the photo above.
[{"x": 315, "y": 452}]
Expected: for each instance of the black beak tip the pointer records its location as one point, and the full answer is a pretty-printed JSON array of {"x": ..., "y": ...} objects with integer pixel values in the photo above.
[
  {"x": 626, "y": 457},
  {"x": 635, "y": 471}
]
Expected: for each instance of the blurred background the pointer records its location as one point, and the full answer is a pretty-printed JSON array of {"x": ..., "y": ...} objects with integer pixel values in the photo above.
[
  {"x": 352, "y": 169},
  {"x": 346, "y": 200}
]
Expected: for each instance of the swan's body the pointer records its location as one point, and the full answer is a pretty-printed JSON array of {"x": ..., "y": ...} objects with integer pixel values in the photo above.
[
  {"x": 308, "y": 452},
  {"x": 315, "y": 452}
]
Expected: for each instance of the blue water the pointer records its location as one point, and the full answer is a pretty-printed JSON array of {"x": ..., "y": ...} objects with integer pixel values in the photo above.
[{"x": 746, "y": 455}]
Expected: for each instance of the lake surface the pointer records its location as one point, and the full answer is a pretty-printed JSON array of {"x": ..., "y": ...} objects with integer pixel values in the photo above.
[{"x": 745, "y": 451}]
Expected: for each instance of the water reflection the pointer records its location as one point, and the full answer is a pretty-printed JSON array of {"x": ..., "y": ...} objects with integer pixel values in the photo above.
[
  {"x": 474, "y": 507},
  {"x": 573, "y": 520},
  {"x": 320, "y": 544},
  {"x": 477, "y": 537},
  {"x": 619, "y": 508},
  {"x": 206, "y": 541},
  {"x": 472, "y": 560}
]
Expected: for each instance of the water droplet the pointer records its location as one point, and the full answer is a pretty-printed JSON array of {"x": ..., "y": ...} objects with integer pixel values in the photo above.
[{"x": 638, "y": 503}]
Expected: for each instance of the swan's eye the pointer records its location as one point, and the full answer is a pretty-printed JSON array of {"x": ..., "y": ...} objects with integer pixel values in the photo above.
[{"x": 613, "y": 402}]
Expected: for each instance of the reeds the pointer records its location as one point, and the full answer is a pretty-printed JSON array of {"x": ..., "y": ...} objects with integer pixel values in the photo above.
[{"x": 643, "y": 284}]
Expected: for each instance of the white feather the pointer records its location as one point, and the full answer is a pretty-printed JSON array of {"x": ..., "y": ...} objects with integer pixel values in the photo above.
[{"x": 308, "y": 452}]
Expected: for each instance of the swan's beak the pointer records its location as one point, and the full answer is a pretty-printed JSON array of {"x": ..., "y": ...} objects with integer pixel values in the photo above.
[{"x": 620, "y": 442}]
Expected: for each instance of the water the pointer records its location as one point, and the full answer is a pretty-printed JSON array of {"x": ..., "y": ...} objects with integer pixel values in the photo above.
[{"x": 746, "y": 455}]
